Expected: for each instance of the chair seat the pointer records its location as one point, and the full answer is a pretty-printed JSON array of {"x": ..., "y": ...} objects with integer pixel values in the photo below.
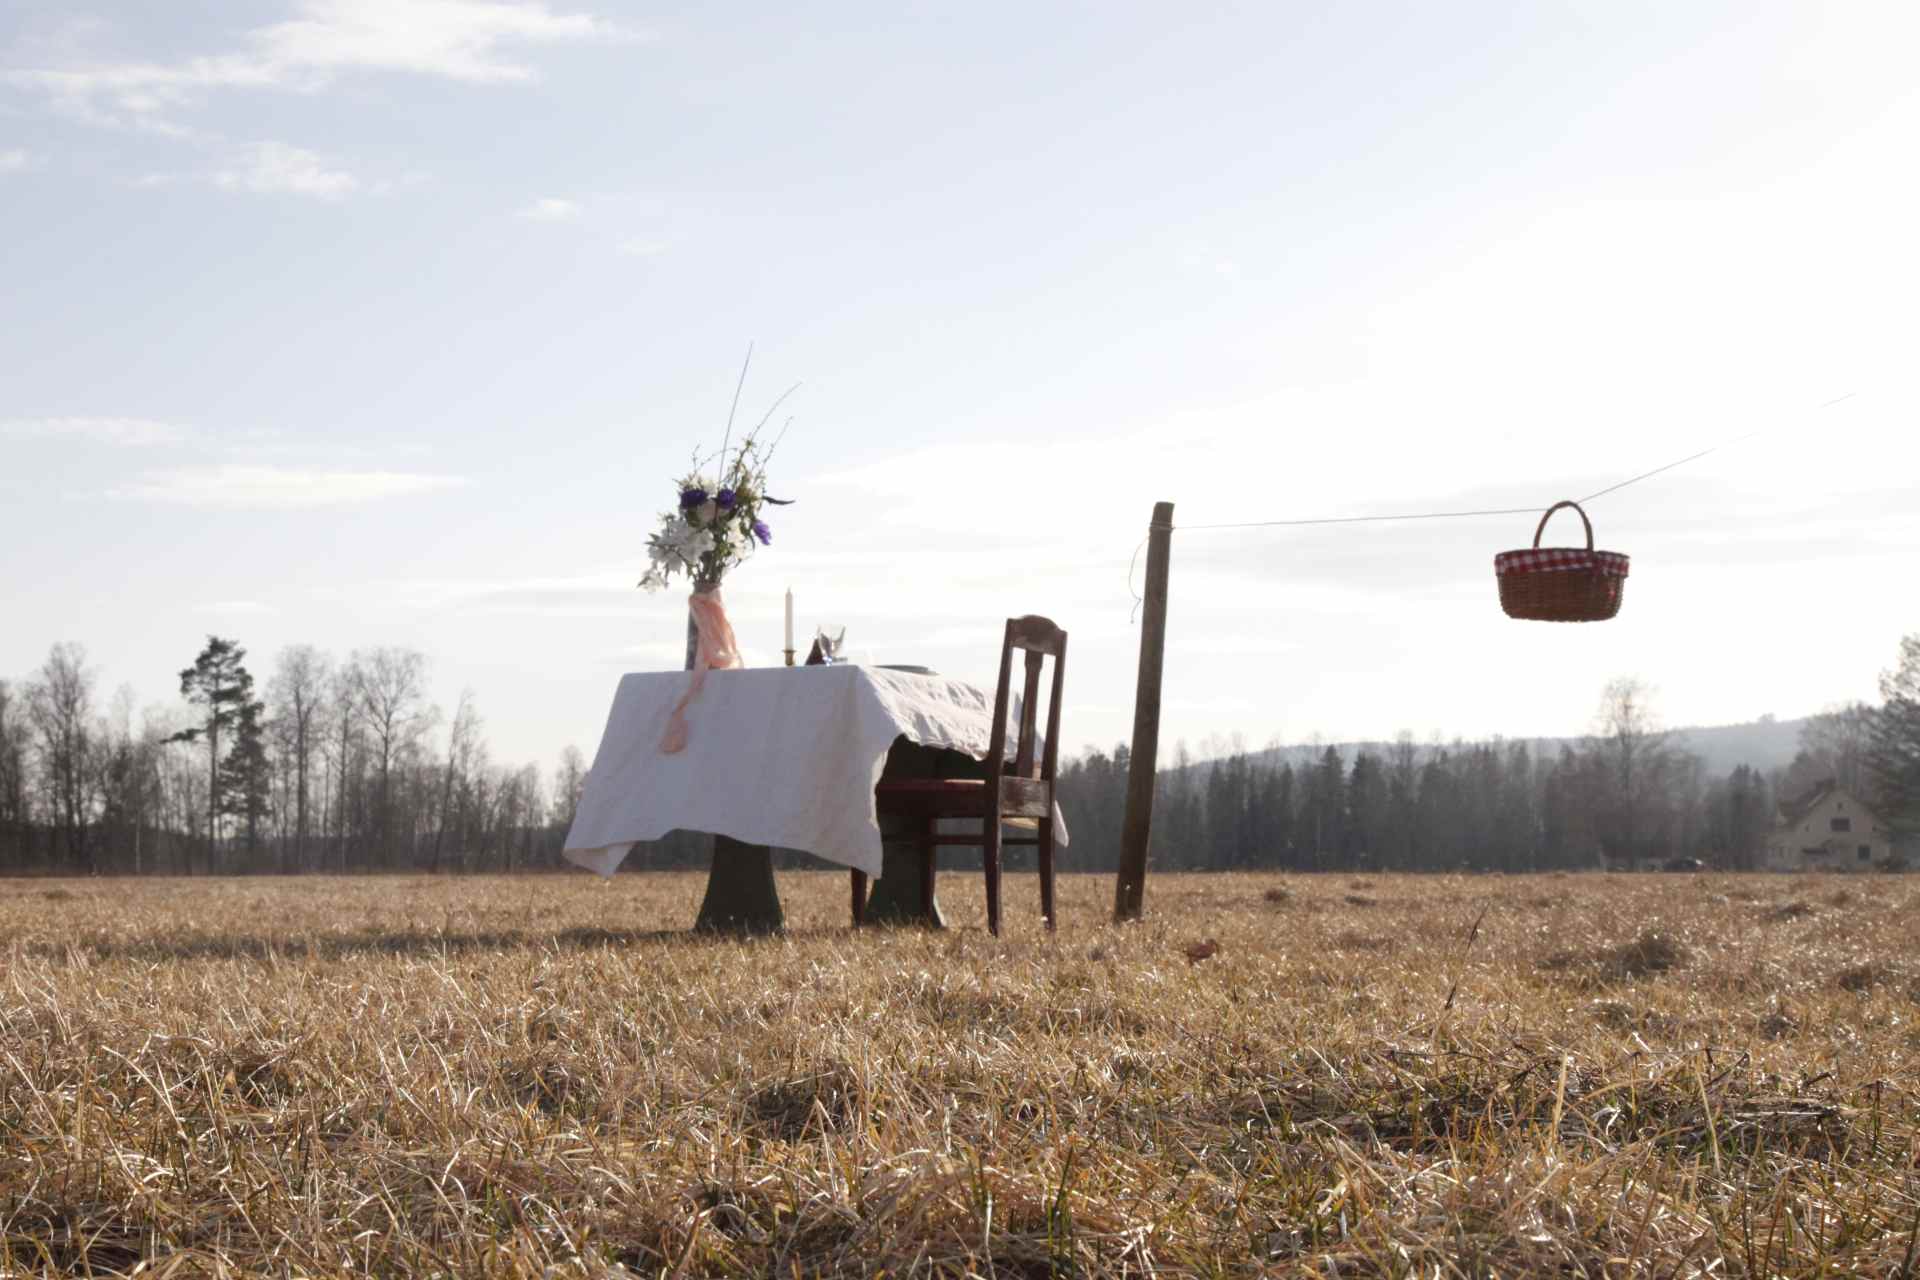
[
  {"x": 1021, "y": 799},
  {"x": 932, "y": 786}
]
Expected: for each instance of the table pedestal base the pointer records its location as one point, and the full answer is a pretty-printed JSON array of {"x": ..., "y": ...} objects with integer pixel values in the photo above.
[
  {"x": 897, "y": 895},
  {"x": 741, "y": 897}
]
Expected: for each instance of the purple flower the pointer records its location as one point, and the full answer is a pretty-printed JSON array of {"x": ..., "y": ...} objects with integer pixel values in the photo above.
[
  {"x": 691, "y": 498},
  {"x": 725, "y": 499},
  {"x": 763, "y": 533}
]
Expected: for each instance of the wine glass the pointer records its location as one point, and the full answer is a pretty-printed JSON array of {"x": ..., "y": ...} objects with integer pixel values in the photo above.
[{"x": 832, "y": 639}]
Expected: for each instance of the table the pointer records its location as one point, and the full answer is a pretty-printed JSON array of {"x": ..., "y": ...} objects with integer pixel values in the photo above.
[{"x": 782, "y": 757}]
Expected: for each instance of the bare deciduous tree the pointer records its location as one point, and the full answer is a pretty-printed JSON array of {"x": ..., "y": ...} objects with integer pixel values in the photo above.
[
  {"x": 568, "y": 782},
  {"x": 60, "y": 709},
  {"x": 298, "y": 692},
  {"x": 391, "y": 688},
  {"x": 1838, "y": 741},
  {"x": 15, "y": 828},
  {"x": 463, "y": 742},
  {"x": 1634, "y": 748}
]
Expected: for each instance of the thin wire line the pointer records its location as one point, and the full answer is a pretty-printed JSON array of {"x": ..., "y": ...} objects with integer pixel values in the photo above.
[
  {"x": 1695, "y": 457},
  {"x": 1133, "y": 564},
  {"x": 1414, "y": 515},
  {"x": 1510, "y": 511}
]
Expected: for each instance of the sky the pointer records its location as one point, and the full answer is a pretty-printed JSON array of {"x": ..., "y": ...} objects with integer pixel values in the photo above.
[{"x": 362, "y": 323}]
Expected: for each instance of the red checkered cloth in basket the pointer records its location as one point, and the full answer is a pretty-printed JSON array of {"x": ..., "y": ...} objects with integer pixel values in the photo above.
[{"x": 1555, "y": 559}]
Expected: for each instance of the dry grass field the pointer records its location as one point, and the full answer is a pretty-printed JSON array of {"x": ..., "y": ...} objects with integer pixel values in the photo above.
[{"x": 1675, "y": 1075}]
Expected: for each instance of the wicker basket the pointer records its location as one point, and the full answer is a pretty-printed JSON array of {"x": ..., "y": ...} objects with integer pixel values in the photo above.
[{"x": 1561, "y": 584}]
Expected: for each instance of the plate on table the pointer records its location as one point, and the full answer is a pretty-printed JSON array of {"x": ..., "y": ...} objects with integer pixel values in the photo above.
[{"x": 910, "y": 670}]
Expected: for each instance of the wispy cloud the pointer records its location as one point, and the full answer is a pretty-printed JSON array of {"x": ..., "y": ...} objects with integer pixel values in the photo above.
[
  {"x": 458, "y": 39},
  {"x": 643, "y": 248},
  {"x": 236, "y": 486},
  {"x": 139, "y": 432},
  {"x": 466, "y": 40},
  {"x": 14, "y": 160},
  {"x": 551, "y": 209},
  {"x": 277, "y": 168}
]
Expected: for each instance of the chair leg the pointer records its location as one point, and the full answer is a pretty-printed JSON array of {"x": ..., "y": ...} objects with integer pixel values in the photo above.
[
  {"x": 859, "y": 898},
  {"x": 990, "y": 856},
  {"x": 1046, "y": 869},
  {"x": 928, "y": 828}
]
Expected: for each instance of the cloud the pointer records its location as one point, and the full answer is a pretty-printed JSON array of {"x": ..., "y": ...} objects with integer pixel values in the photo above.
[
  {"x": 14, "y": 160},
  {"x": 457, "y": 39},
  {"x": 276, "y": 168},
  {"x": 136, "y": 432},
  {"x": 234, "y": 486},
  {"x": 551, "y": 209},
  {"x": 643, "y": 248},
  {"x": 465, "y": 40}
]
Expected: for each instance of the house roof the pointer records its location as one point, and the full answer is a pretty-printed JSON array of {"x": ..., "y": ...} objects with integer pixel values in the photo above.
[{"x": 1791, "y": 811}]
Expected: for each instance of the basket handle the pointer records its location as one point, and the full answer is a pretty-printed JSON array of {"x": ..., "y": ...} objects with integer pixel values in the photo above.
[{"x": 1555, "y": 507}]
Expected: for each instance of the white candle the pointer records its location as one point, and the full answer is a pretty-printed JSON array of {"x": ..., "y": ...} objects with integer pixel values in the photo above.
[{"x": 789, "y": 644}]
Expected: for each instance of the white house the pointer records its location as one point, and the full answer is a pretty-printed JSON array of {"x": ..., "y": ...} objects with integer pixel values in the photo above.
[{"x": 1827, "y": 829}]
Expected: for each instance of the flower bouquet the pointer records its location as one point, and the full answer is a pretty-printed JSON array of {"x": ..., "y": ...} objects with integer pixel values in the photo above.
[{"x": 715, "y": 526}]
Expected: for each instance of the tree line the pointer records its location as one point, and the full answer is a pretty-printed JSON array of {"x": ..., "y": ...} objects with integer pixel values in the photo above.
[
  {"x": 335, "y": 765},
  {"x": 1625, "y": 796},
  {"x": 341, "y": 765}
]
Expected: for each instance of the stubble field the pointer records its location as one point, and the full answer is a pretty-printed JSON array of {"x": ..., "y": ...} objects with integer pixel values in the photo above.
[{"x": 1330, "y": 1075}]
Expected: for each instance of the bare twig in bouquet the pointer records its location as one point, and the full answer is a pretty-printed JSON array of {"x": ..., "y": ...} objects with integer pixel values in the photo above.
[
  {"x": 733, "y": 408},
  {"x": 771, "y": 409},
  {"x": 775, "y": 446}
]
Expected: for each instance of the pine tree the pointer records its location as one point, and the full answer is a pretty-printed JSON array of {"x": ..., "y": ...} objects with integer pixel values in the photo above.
[
  {"x": 218, "y": 682},
  {"x": 1324, "y": 812},
  {"x": 1369, "y": 808},
  {"x": 246, "y": 775}
]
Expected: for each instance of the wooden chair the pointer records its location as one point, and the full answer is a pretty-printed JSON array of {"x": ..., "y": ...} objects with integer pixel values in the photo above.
[{"x": 1020, "y": 790}]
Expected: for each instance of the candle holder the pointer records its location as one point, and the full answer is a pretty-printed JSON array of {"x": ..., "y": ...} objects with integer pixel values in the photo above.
[{"x": 789, "y": 654}]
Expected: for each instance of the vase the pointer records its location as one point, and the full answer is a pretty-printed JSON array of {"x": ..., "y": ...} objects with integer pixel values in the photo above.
[
  {"x": 710, "y": 646},
  {"x": 707, "y": 613},
  {"x": 701, "y": 587}
]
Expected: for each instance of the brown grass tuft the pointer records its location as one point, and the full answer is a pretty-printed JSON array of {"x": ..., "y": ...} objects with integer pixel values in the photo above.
[
  {"x": 1863, "y": 977},
  {"x": 1652, "y": 952},
  {"x": 823, "y": 1100}
]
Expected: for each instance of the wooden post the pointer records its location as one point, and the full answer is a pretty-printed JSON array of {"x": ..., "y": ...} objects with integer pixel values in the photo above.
[{"x": 1136, "y": 830}]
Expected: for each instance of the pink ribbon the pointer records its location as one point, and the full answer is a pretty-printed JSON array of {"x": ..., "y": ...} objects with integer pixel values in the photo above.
[{"x": 716, "y": 649}]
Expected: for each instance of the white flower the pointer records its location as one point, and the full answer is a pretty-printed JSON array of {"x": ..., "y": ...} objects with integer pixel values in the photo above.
[{"x": 681, "y": 541}]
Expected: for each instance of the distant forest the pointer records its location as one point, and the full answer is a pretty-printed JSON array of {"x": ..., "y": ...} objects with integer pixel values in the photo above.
[
  {"x": 1630, "y": 794},
  {"x": 346, "y": 766}
]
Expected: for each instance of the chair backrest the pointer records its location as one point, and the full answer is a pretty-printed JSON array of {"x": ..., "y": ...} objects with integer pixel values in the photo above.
[{"x": 1038, "y": 638}]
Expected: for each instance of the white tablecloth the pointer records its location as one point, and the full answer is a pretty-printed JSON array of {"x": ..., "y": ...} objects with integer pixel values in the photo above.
[{"x": 781, "y": 756}]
